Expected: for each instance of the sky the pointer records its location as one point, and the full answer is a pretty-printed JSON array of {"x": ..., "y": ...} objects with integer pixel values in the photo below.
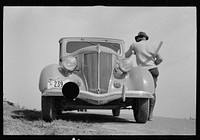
[{"x": 31, "y": 35}]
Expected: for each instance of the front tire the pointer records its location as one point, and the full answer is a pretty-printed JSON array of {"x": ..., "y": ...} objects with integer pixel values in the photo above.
[
  {"x": 48, "y": 109},
  {"x": 141, "y": 110},
  {"x": 116, "y": 112}
]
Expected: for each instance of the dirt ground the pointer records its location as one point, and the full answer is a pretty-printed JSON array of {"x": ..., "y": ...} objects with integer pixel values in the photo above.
[
  {"x": 19, "y": 121},
  {"x": 159, "y": 125}
]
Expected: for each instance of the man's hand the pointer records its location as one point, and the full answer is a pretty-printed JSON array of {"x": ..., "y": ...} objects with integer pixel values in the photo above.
[{"x": 158, "y": 60}]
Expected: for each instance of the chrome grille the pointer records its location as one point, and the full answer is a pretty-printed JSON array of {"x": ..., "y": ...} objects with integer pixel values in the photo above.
[{"x": 97, "y": 76}]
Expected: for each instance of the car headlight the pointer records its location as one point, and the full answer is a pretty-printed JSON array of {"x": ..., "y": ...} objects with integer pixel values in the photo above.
[
  {"x": 70, "y": 63},
  {"x": 125, "y": 65}
]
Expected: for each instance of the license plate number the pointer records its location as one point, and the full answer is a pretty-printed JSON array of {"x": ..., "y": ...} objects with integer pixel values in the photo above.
[{"x": 56, "y": 83}]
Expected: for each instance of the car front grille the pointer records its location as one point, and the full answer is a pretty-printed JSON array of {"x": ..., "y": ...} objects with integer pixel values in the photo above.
[{"x": 97, "y": 69}]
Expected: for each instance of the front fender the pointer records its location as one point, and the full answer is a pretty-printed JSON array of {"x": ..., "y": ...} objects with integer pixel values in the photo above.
[
  {"x": 140, "y": 79},
  {"x": 54, "y": 71},
  {"x": 50, "y": 71}
]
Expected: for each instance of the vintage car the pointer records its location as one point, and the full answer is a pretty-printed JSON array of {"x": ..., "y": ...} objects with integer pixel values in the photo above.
[{"x": 93, "y": 73}]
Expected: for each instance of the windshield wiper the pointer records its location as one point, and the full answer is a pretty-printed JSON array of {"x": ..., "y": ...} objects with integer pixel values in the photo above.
[
  {"x": 90, "y": 43},
  {"x": 99, "y": 42}
]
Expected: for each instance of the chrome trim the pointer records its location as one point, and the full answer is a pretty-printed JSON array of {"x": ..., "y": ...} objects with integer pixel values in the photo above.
[
  {"x": 82, "y": 71},
  {"x": 123, "y": 94},
  {"x": 98, "y": 69},
  {"x": 99, "y": 99},
  {"x": 111, "y": 76}
]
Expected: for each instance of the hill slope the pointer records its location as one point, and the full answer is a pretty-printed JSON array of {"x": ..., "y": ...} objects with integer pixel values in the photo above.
[{"x": 18, "y": 121}]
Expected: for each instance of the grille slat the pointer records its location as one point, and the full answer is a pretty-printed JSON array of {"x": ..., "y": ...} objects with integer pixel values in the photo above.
[
  {"x": 105, "y": 70},
  {"x": 90, "y": 71}
]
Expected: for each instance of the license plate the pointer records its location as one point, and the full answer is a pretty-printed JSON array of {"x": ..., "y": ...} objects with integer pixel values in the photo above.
[{"x": 56, "y": 83}]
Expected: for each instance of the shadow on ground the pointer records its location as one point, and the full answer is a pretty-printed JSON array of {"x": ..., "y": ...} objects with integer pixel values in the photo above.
[
  {"x": 32, "y": 115},
  {"x": 92, "y": 118}
]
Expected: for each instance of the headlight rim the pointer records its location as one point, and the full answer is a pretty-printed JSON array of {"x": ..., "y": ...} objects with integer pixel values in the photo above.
[{"x": 67, "y": 60}]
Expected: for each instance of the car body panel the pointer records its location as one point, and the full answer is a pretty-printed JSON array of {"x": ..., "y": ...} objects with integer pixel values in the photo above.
[{"x": 138, "y": 83}]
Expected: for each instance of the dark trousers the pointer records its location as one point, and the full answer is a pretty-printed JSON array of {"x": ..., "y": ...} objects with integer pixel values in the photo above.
[{"x": 155, "y": 73}]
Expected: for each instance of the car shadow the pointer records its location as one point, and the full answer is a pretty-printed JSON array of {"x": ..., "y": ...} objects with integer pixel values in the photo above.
[
  {"x": 32, "y": 115},
  {"x": 92, "y": 118}
]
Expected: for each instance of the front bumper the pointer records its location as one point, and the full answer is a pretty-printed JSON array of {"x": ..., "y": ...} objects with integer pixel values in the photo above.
[{"x": 100, "y": 99}]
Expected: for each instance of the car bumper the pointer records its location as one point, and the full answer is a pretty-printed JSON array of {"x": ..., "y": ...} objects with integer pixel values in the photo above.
[{"x": 99, "y": 99}]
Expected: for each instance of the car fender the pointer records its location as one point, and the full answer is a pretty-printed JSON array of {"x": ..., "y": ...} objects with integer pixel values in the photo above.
[
  {"x": 55, "y": 71},
  {"x": 50, "y": 71},
  {"x": 140, "y": 79}
]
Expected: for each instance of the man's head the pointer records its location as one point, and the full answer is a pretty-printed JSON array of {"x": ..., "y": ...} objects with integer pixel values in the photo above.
[{"x": 141, "y": 36}]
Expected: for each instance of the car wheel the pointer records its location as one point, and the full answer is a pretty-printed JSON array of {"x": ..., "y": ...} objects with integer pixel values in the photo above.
[
  {"x": 58, "y": 106},
  {"x": 141, "y": 110},
  {"x": 115, "y": 112},
  {"x": 48, "y": 109},
  {"x": 58, "y": 111}
]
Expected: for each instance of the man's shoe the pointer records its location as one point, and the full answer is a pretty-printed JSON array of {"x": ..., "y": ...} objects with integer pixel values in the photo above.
[{"x": 150, "y": 119}]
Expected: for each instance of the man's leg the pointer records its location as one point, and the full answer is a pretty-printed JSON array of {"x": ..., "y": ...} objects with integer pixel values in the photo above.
[
  {"x": 152, "y": 101},
  {"x": 152, "y": 104}
]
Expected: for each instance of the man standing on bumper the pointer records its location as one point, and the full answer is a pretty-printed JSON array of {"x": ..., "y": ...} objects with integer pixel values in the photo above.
[{"x": 146, "y": 57}]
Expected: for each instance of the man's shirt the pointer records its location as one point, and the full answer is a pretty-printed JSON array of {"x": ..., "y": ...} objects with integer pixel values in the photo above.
[{"x": 144, "y": 53}]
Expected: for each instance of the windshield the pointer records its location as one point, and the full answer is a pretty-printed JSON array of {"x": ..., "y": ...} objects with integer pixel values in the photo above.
[{"x": 73, "y": 46}]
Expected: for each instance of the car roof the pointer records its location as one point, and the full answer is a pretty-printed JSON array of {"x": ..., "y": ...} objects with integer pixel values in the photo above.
[{"x": 101, "y": 39}]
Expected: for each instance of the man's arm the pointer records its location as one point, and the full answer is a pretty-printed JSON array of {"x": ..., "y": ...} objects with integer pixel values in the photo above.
[{"x": 129, "y": 52}]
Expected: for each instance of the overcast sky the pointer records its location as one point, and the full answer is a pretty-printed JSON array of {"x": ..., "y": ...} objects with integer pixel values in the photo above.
[{"x": 31, "y": 35}]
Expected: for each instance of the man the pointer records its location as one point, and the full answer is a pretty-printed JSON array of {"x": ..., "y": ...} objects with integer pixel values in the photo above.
[{"x": 146, "y": 57}]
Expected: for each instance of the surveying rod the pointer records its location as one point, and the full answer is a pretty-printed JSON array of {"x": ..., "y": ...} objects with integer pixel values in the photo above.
[{"x": 159, "y": 46}]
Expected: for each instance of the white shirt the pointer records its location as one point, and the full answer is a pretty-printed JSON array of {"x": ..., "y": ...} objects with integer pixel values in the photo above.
[{"x": 144, "y": 54}]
